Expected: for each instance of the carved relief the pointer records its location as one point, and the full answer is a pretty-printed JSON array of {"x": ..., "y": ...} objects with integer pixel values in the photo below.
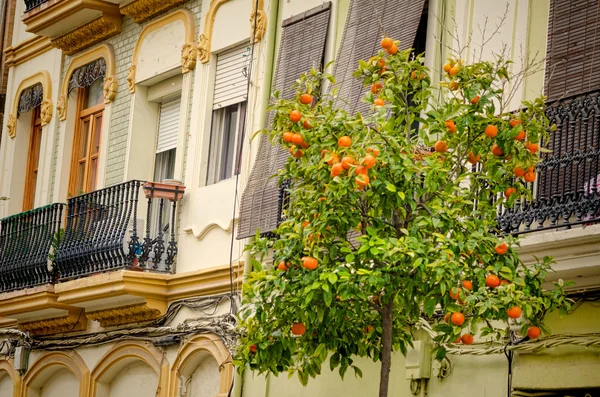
[
  {"x": 258, "y": 25},
  {"x": 124, "y": 315},
  {"x": 46, "y": 111},
  {"x": 61, "y": 109},
  {"x": 11, "y": 126},
  {"x": 110, "y": 88},
  {"x": 91, "y": 33},
  {"x": 203, "y": 53},
  {"x": 141, "y": 10},
  {"x": 131, "y": 79},
  {"x": 189, "y": 53},
  {"x": 54, "y": 325}
]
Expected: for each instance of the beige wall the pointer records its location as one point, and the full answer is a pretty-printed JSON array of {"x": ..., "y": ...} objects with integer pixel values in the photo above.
[
  {"x": 6, "y": 385},
  {"x": 137, "y": 379}
]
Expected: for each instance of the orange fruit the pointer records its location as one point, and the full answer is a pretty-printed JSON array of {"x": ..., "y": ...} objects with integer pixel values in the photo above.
[
  {"x": 520, "y": 136},
  {"x": 295, "y": 116},
  {"x": 297, "y": 153},
  {"x": 454, "y": 71},
  {"x": 305, "y": 223},
  {"x": 305, "y": 145},
  {"x": 379, "y": 102},
  {"x": 344, "y": 141},
  {"x": 454, "y": 293},
  {"x": 467, "y": 339},
  {"x": 369, "y": 161},
  {"x": 453, "y": 86},
  {"x": 376, "y": 88},
  {"x": 501, "y": 249},
  {"x": 519, "y": 172},
  {"x": 368, "y": 329},
  {"x": 492, "y": 281},
  {"x": 393, "y": 50},
  {"x": 307, "y": 125},
  {"x": 337, "y": 170},
  {"x": 387, "y": 43},
  {"x": 468, "y": 285},
  {"x": 472, "y": 158},
  {"x": 306, "y": 99},
  {"x": 533, "y": 332},
  {"x": 491, "y": 131},
  {"x": 450, "y": 126},
  {"x": 497, "y": 150},
  {"x": 322, "y": 198},
  {"x": 457, "y": 318},
  {"x": 441, "y": 146},
  {"x": 414, "y": 75},
  {"x": 309, "y": 262},
  {"x": 509, "y": 192},
  {"x": 288, "y": 137},
  {"x": 475, "y": 100},
  {"x": 253, "y": 348},
  {"x": 529, "y": 176},
  {"x": 514, "y": 122},
  {"x": 360, "y": 170},
  {"x": 447, "y": 67},
  {"x": 298, "y": 329},
  {"x": 457, "y": 341},
  {"x": 381, "y": 62},
  {"x": 283, "y": 266},
  {"x": 447, "y": 317},
  {"x": 532, "y": 147},
  {"x": 334, "y": 159},
  {"x": 347, "y": 162},
  {"x": 504, "y": 282},
  {"x": 297, "y": 139},
  {"x": 514, "y": 312},
  {"x": 373, "y": 150},
  {"x": 362, "y": 181}
]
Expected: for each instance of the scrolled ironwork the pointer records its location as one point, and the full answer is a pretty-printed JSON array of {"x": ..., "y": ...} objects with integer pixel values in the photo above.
[
  {"x": 31, "y": 4},
  {"x": 88, "y": 74},
  {"x": 30, "y": 98}
]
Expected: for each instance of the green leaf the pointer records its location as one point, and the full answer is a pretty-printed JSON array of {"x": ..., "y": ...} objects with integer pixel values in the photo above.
[
  {"x": 333, "y": 278},
  {"x": 357, "y": 372},
  {"x": 334, "y": 361},
  {"x": 390, "y": 187}
]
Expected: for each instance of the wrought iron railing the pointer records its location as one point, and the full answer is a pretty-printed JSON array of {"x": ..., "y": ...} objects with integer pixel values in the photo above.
[
  {"x": 103, "y": 233},
  {"x": 31, "y": 4},
  {"x": 27, "y": 242},
  {"x": 567, "y": 190}
]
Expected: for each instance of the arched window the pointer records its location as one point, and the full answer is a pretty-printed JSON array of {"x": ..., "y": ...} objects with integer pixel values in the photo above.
[{"x": 30, "y": 101}]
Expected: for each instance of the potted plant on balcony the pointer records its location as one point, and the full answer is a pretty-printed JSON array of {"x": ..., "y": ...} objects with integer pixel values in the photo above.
[{"x": 169, "y": 189}]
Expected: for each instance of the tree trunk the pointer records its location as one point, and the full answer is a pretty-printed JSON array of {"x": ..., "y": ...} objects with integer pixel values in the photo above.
[{"x": 386, "y": 352}]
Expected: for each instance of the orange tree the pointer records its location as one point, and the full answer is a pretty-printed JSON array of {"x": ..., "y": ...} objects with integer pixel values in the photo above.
[{"x": 381, "y": 231}]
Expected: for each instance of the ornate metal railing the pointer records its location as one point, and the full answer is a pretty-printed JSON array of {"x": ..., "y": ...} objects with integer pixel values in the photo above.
[
  {"x": 102, "y": 233},
  {"x": 31, "y": 4},
  {"x": 27, "y": 242},
  {"x": 567, "y": 190}
]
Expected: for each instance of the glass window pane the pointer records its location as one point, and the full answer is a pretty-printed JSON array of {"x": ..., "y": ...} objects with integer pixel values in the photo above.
[
  {"x": 228, "y": 147},
  {"x": 214, "y": 153},
  {"x": 97, "y": 132},
  {"x": 80, "y": 188},
  {"x": 84, "y": 133},
  {"x": 93, "y": 174},
  {"x": 95, "y": 94}
]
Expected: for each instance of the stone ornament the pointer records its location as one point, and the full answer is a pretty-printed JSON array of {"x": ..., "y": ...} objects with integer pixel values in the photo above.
[
  {"x": 46, "y": 111},
  {"x": 61, "y": 108},
  {"x": 11, "y": 126},
  {"x": 131, "y": 79},
  {"x": 124, "y": 315},
  {"x": 203, "y": 53},
  {"x": 189, "y": 53},
  {"x": 142, "y": 10},
  {"x": 110, "y": 88},
  {"x": 258, "y": 25},
  {"x": 88, "y": 34}
]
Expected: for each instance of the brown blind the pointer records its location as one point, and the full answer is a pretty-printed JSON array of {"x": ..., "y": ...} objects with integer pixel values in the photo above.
[
  {"x": 302, "y": 46},
  {"x": 572, "y": 64},
  {"x": 367, "y": 21}
]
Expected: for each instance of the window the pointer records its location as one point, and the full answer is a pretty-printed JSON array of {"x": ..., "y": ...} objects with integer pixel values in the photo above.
[
  {"x": 33, "y": 158},
  {"x": 86, "y": 142},
  {"x": 228, "y": 126}
]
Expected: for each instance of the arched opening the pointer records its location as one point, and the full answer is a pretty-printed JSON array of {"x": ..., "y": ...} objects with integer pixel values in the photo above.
[
  {"x": 56, "y": 381},
  {"x": 201, "y": 376},
  {"x": 6, "y": 384},
  {"x": 57, "y": 374}
]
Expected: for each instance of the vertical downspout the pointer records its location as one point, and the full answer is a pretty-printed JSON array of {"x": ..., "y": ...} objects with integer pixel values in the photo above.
[{"x": 272, "y": 23}]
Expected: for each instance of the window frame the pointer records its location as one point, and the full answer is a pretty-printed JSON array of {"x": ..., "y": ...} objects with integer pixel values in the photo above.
[{"x": 33, "y": 159}]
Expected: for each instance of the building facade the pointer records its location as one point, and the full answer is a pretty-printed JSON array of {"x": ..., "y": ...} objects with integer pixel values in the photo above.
[{"x": 133, "y": 184}]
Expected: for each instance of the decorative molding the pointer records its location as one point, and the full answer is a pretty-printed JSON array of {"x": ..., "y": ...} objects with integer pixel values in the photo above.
[
  {"x": 200, "y": 234},
  {"x": 105, "y": 51},
  {"x": 75, "y": 321},
  {"x": 66, "y": 359},
  {"x": 189, "y": 53},
  {"x": 61, "y": 108},
  {"x": 110, "y": 87},
  {"x": 124, "y": 315},
  {"x": 7, "y": 365},
  {"x": 26, "y": 50},
  {"x": 203, "y": 49},
  {"x": 131, "y": 79},
  {"x": 91, "y": 33},
  {"x": 46, "y": 111},
  {"x": 142, "y": 10},
  {"x": 260, "y": 19},
  {"x": 11, "y": 126},
  {"x": 185, "y": 365}
]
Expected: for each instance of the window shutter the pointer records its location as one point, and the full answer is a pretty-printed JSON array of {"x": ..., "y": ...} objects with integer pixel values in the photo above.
[
  {"x": 231, "y": 81},
  {"x": 302, "y": 47},
  {"x": 168, "y": 125},
  {"x": 572, "y": 65},
  {"x": 362, "y": 35}
]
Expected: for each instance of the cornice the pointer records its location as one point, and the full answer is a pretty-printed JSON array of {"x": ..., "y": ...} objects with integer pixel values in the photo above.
[
  {"x": 142, "y": 10},
  {"x": 27, "y": 50},
  {"x": 91, "y": 33}
]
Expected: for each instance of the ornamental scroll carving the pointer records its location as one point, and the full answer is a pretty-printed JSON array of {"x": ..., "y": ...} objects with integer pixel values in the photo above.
[
  {"x": 258, "y": 25},
  {"x": 189, "y": 53},
  {"x": 124, "y": 315},
  {"x": 131, "y": 79},
  {"x": 203, "y": 53},
  {"x": 111, "y": 86},
  {"x": 46, "y": 111},
  {"x": 61, "y": 108},
  {"x": 11, "y": 126}
]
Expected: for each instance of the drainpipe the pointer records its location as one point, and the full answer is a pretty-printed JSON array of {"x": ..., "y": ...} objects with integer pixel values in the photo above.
[{"x": 272, "y": 23}]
